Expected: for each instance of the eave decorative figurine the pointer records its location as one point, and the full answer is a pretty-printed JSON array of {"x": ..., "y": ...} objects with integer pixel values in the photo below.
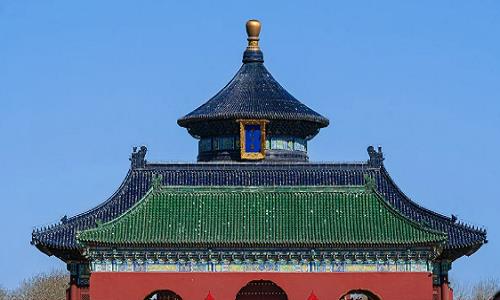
[{"x": 254, "y": 219}]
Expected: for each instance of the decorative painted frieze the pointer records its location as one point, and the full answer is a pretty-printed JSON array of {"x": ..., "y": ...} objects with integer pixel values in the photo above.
[{"x": 137, "y": 261}]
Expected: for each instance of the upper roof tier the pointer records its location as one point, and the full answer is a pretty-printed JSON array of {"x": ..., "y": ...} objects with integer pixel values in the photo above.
[{"x": 253, "y": 93}]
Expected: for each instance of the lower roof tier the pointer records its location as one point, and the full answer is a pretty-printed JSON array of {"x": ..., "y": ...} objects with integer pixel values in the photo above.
[
  {"x": 60, "y": 239},
  {"x": 256, "y": 217}
]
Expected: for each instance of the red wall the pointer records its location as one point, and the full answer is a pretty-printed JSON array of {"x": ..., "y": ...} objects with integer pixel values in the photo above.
[{"x": 225, "y": 286}]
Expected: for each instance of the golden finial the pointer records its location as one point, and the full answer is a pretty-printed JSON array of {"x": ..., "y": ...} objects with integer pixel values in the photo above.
[{"x": 253, "y": 31}]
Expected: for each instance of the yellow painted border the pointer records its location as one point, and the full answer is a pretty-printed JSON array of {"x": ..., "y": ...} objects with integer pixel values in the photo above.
[{"x": 253, "y": 155}]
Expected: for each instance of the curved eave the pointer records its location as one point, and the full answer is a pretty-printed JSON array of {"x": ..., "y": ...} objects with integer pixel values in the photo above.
[
  {"x": 253, "y": 93},
  {"x": 475, "y": 238},
  {"x": 455, "y": 253},
  {"x": 188, "y": 120},
  {"x": 59, "y": 238}
]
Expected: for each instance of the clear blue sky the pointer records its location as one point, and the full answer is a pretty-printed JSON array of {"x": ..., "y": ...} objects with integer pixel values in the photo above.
[{"x": 81, "y": 83}]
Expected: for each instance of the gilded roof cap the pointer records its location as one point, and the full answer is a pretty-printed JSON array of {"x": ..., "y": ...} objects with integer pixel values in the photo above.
[{"x": 253, "y": 52}]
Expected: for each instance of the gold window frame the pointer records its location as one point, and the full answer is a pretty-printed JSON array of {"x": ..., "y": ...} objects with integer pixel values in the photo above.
[{"x": 253, "y": 155}]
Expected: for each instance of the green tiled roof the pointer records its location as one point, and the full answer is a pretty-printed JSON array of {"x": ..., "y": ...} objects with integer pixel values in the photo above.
[{"x": 261, "y": 217}]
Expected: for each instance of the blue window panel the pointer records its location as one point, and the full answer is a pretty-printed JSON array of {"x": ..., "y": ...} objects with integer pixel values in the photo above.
[
  {"x": 227, "y": 143},
  {"x": 300, "y": 145},
  {"x": 252, "y": 138},
  {"x": 205, "y": 144}
]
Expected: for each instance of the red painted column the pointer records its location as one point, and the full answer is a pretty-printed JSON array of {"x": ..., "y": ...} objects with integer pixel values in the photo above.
[
  {"x": 443, "y": 292},
  {"x": 446, "y": 292},
  {"x": 436, "y": 292},
  {"x": 225, "y": 286},
  {"x": 73, "y": 292}
]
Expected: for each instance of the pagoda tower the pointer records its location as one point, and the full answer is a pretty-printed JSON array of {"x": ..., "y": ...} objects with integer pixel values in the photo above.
[
  {"x": 253, "y": 218},
  {"x": 253, "y": 110}
]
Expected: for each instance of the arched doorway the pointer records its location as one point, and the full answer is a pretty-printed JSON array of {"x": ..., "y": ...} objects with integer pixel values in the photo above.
[
  {"x": 359, "y": 295},
  {"x": 163, "y": 295},
  {"x": 261, "y": 290}
]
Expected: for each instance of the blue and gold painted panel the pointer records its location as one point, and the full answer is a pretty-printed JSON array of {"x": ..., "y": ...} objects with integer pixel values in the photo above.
[
  {"x": 253, "y": 136},
  {"x": 252, "y": 139}
]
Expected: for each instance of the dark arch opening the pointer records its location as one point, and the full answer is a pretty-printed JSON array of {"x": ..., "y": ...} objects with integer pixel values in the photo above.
[
  {"x": 261, "y": 290},
  {"x": 359, "y": 295},
  {"x": 163, "y": 295}
]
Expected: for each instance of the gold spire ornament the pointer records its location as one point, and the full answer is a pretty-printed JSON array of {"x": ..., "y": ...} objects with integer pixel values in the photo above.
[{"x": 253, "y": 31}]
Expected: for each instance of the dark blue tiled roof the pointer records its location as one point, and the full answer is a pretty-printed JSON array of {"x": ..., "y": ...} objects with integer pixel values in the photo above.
[
  {"x": 138, "y": 181},
  {"x": 253, "y": 93}
]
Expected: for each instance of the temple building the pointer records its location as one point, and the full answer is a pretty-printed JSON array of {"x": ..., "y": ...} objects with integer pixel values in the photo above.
[{"x": 254, "y": 218}]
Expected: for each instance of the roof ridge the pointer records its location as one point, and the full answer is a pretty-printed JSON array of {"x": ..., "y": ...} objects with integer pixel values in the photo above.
[
  {"x": 278, "y": 189},
  {"x": 264, "y": 163}
]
